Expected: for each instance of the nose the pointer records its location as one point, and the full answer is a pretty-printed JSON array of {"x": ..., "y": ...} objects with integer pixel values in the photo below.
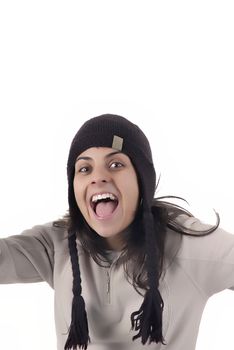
[{"x": 99, "y": 176}]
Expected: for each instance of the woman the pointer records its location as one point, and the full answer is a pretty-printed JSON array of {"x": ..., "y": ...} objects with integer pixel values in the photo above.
[{"x": 129, "y": 271}]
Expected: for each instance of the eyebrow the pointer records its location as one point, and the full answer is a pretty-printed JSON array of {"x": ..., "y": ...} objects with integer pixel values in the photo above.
[{"x": 106, "y": 156}]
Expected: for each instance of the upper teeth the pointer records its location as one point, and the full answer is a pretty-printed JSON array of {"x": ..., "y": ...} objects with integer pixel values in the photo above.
[{"x": 97, "y": 197}]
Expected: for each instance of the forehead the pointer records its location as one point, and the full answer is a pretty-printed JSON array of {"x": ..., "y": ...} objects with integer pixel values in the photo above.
[
  {"x": 100, "y": 152},
  {"x": 97, "y": 150}
]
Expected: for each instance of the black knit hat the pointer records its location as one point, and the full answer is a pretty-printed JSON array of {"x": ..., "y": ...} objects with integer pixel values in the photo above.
[{"x": 117, "y": 132}]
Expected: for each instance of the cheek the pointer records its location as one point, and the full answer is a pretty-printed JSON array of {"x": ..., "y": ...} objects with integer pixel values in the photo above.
[
  {"x": 132, "y": 194},
  {"x": 78, "y": 194},
  {"x": 134, "y": 198}
]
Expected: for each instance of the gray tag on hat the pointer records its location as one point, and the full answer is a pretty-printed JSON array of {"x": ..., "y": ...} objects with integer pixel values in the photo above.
[{"x": 117, "y": 143}]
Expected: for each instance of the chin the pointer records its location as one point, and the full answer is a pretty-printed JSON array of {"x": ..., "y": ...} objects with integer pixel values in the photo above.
[{"x": 106, "y": 233}]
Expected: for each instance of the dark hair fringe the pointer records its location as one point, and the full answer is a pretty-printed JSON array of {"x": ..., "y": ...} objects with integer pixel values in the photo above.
[{"x": 174, "y": 210}]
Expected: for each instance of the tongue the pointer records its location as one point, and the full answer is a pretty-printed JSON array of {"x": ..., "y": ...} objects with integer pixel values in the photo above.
[{"x": 104, "y": 209}]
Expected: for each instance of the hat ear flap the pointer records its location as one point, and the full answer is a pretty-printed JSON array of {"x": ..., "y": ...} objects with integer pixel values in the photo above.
[
  {"x": 78, "y": 331},
  {"x": 148, "y": 319}
]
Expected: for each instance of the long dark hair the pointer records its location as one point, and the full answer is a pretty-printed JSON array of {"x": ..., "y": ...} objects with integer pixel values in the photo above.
[{"x": 133, "y": 256}]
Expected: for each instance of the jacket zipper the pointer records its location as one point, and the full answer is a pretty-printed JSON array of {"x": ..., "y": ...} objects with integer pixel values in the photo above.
[
  {"x": 108, "y": 287},
  {"x": 108, "y": 275}
]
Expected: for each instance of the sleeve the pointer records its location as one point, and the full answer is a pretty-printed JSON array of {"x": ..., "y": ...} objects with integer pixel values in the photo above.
[
  {"x": 209, "y": 260},
  {"x": 28, "y": 257}
]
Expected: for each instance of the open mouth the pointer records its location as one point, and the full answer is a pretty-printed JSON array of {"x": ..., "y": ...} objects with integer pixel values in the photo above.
[{"x": 104, "y": 204}]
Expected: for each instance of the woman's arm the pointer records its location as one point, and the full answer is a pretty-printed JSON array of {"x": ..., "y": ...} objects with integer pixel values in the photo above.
[
  {"x": 28, "y": 257},
  {"x": 208, "y": 260}
]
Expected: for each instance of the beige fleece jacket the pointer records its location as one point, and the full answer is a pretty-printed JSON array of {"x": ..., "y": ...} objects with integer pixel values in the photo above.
[{"x": 194, "y": 269}]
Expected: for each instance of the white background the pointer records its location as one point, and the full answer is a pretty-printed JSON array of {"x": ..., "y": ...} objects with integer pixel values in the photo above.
[{"x": 166, "y": 65}]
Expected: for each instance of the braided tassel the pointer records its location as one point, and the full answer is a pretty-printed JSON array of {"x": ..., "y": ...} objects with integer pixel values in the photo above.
[
  {"x": 78, "y": 331},
  {"x": 148, "y": 319}
]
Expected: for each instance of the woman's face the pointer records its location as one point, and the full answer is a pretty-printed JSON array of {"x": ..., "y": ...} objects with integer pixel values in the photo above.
[{"x": 106, "y": 191}]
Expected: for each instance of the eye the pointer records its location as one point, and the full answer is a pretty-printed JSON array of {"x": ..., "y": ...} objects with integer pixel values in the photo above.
[
  {"x": 83, "y": 169},
  {"x": 115, "y": 165}
]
